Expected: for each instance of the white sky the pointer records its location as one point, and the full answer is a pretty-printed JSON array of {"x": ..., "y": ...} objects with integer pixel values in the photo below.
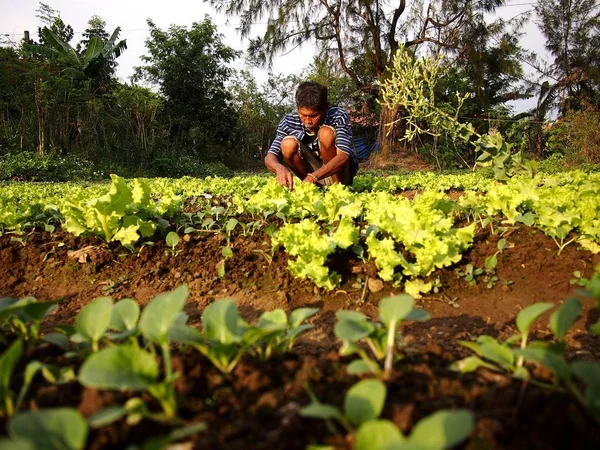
[{"x": 19, "y": 15}]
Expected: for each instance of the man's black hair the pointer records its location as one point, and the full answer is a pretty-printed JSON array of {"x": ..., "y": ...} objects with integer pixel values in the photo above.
[{"x": 311, "y": 94}]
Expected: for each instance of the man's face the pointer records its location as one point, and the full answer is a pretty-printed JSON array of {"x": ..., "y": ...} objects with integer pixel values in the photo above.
[{"x": 311, "y": 118}]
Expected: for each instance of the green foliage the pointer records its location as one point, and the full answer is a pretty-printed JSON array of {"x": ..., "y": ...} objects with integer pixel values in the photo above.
[
  {"x": 123, "y": 214},
  {"x": 120, "y": 367},
  {"x": 93, "y": 321},
  {"x": 226, "y": 337},
  {"x": 23, "y": 316},
  {"x": 46, "y": 429},
  {"x": 281, "y": 341},
  {"x": 201, "y": 116},
  {"x": 363, "y": 405},
  {"x": 25, "y": 166},
  {"x": 381, "y": 337},
  {"x": 8, "y": 360},
  {"x": 412, "y": 88},
  {"x": 128, "y": 366},
  {"x": 571, "y": 32}
]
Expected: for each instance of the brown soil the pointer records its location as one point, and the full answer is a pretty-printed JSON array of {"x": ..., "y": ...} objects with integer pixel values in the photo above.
[
  {"x": 401, "y": 159},
  {"x": 257, "y": 405}
]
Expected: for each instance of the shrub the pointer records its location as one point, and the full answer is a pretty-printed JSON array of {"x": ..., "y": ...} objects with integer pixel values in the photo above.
[{"x": 26, "y": 166}]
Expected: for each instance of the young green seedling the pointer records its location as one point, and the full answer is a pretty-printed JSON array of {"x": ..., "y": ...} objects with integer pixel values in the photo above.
[
  {"x": 130, "y": 367},
  {"x": 500, "y": 355},
  {"x": 470, "y": 273},
  {"x": 172, "y": 240},
  {"x": 225, "y": 337},
  {"x": 363, "y": 405},
  {"x": 381, "y": 336},
  {"x": 23, "y": 317},
  {"x": 282, "y": 340},
  {"x": 49, "y": 429},
  {"x": 92, "y": 322},
  {"x": 8, "y": 361},
  {"x": 52, "y": 374}
]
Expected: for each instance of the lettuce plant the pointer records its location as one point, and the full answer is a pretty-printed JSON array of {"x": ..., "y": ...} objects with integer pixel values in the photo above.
[{"x": 123, "y": 214}]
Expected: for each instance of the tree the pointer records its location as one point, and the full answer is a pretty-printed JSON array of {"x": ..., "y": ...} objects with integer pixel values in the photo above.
[
  {"x": 96, "y": 64},
  {"x": 360, "y": 33},
  {"x": 190, "y": 69},
  {"x": 51, "y": 17},
  {"x": 105, "y": 66},
  {"x": 260, "y": 108},
  {"x": 572, "y": 31}
]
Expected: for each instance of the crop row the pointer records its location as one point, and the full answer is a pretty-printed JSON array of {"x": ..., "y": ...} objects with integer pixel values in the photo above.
[
  {"x": 407, "y": 239},
  {"x": 116, "y": 347}
]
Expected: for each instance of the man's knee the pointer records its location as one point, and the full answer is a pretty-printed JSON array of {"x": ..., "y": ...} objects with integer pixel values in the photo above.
[
  {"x": 289, "y": 147},
  {"x": 326, "y": 136}
]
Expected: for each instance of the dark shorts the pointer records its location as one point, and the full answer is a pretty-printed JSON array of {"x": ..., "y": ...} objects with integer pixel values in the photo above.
[{"x": 309, "y": 150}]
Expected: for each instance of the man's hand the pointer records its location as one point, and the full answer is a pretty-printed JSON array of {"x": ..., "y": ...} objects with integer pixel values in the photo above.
[
  {"x": 310, "y": 178},
  {"x": 285, "y": 178}
]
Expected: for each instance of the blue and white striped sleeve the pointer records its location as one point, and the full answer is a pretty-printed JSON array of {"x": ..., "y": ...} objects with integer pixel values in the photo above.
[
  {"x": 281, "y": 133},
  {"x": 343, "y": 132}
]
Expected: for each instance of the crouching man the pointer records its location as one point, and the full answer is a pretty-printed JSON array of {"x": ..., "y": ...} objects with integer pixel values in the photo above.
[{"x": 314, "y": 142}]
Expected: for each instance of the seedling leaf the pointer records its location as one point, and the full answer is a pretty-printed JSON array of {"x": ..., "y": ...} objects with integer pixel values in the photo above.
[
  {"x": 119, "y": 367},
  {"x": 321, "y": 411},
  {"x": 172, "y": 239},
  {"x": 376, "y": 434},
  {"x": 160, "y": 313},
  {"x": 352, "y": 326},
  {"x": 562, "y": 319},
  {"x": 59, "y": 428},
  {"x": 364, "y": 401},
  {"x": 442, "y": 429},
  {"x": 547, "y": 358},
  {"x": 299, "y": 315},
  {"x": 125, "y": 315},
  {"x": 394, "y": 309},
  {"x": 94, "y": 319},
  {"x": 527, "y": 316},
  {"x": 220, "y": 321}
]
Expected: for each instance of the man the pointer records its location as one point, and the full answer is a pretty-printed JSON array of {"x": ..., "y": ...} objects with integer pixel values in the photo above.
[{"x": 315, "y": 142}]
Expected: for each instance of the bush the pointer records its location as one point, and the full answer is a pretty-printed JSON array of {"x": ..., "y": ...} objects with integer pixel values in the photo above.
[
  {"x": 584, "y": 135},
  {"x": 26, "y": 166},
  {"x": 186, "y": 165}
]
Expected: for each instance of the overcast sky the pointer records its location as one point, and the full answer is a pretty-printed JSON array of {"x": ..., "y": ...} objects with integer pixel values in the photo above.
[{"x": 19, "y": 15}]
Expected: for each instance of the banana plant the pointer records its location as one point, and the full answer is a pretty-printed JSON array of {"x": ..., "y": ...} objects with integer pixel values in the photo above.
[{"x": 93, "y": 64}]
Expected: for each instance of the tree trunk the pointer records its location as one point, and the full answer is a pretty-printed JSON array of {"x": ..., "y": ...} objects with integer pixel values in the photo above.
[
  {"x": 387, "y": 130},
  {"x": 41, "y": 119}
]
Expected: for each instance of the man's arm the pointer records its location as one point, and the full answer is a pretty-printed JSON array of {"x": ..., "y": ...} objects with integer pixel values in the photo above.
[
  {"x": 284, "y": 176},
  {"x": 336, "y": 163}
]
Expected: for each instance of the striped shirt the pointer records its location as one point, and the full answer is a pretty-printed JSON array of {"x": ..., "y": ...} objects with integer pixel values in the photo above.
[{"x": 291, "y": 125}]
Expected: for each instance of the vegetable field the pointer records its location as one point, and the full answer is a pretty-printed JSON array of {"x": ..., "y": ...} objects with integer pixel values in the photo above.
[{"x": 423, "y": 311}]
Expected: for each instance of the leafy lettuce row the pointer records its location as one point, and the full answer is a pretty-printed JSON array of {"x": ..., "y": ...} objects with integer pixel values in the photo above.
[{"x": 561, "y": 207}]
